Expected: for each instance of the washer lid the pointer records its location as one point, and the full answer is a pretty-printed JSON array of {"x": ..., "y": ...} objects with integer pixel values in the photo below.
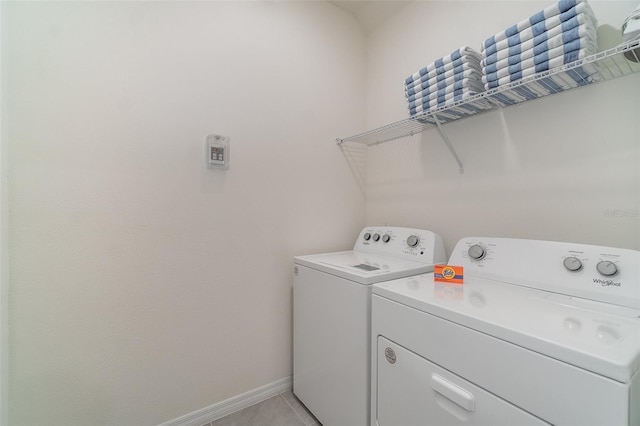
[
  {"x": 363, "y": 268},
  {"x": 599, "y": 337}
]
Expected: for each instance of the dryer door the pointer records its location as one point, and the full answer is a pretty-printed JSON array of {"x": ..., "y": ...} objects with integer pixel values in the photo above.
[{"x": 413, "y": 391}]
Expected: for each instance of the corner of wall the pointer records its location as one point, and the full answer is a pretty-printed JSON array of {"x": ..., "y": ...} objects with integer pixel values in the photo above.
[{"x": 4, "y": 270}]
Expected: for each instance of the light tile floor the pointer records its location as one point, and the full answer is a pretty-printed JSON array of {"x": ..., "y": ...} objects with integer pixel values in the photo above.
[{"x": 281, "y": 410}]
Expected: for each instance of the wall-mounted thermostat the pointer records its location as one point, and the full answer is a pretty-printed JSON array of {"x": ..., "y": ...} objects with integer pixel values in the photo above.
[{"x": 218, "y": 151}]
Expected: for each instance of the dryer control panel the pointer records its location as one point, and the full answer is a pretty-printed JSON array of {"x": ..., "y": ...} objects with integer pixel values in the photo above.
[
  {"x": 604, "y": 274},
  {"x": 407, "y": 243}
]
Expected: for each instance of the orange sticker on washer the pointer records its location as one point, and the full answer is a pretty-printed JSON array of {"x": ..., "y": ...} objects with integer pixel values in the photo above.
[{"x": 448, "y": 274}]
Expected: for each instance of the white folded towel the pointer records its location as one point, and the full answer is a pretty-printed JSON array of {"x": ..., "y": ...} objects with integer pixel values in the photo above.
[
  {"x": 448, "y": 99},
  {"x": 578, "y": 49},
  {"x": 446, "y": 63},
  {"x": 461, "y": 110},
  {"x": 442, "y": 80},
  {"x": 553, "y": 15},
  {"x": 475, "y": 85},
  {"x": 574, "y": 77},
  {"x": 491, "y": 81},
  {"x": 584, "y": 37},
  {"x": 569, "y": 30}
]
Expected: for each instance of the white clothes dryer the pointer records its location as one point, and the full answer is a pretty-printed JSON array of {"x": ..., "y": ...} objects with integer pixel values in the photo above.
[
  {"x": 539, "y": 333},
  {"x": 332, "y": 317}
]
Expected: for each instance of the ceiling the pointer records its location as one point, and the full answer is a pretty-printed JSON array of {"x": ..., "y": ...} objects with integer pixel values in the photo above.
[{"x": 370, "y": 13}]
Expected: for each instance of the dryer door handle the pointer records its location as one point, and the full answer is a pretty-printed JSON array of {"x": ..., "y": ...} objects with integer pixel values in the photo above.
[{"x": 453, "y": 392}]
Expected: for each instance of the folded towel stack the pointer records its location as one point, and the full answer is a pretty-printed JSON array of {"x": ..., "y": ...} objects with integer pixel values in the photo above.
[
  {"x": 445, "y": 81},
  {"x": 560, "y": 34}
]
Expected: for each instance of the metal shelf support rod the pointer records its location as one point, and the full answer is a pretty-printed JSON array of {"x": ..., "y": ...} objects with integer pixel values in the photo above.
[{"x": 446, "y": 140}]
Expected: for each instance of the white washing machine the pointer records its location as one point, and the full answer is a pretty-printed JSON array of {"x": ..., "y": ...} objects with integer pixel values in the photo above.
[
  {"x": 539, "y": 333},
  {"x": 332, "y": 317}
]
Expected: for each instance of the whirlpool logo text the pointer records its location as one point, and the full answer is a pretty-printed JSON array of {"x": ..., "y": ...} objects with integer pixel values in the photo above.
[{"x": 606, "y": 283}]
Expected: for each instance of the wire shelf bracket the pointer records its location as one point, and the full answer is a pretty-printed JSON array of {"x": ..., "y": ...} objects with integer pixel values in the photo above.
[
  {"x": 618, "y": 61},
  {"x": 447, "y": 142}
]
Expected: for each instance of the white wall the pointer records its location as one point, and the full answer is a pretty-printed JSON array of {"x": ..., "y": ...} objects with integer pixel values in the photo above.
[
  {"x": 4, "y": 258},
  {"x": 548, "y": 169},
  {"x": 145, "y": 286}
]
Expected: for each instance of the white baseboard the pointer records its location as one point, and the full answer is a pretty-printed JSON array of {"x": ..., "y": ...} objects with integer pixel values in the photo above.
[{"x": 231, "y": 405}]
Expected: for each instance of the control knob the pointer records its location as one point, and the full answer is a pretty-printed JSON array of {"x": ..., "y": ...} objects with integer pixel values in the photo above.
[
  {"x": 413, "y": 241},
  {"x": 367, "y": 236},
  {"x": 476, "y": 252},
  {"x": 572, "y": 264},
  {"x": 607, "y": 268},
  {"x": 386, "y": 238},
  {"x": 376, "y": 237}
]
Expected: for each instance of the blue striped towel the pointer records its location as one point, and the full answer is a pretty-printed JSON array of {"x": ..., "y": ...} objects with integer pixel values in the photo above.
[
  {"x": 566, "y": 53},
  {"x": 461, "y": 110},
  {"x": 428, "y": 95},
  {"x": 427, "y": 81},
  {"x": 456, "y": 58},
  {"x": 462, "y": 63},
  {"x": 474, "y": 83},
  {"x": 581, "y": 77},
  {"x": 567, "y": 30},
  {"x": 558, "y": 12},
  {"x": 566, "y": 20},
  {"x": 542, "y": 86},
  {"x": 443, "y": 80},
  {"x": 550, "y": 84},
  {"x": 453, "y": 114},
  {"x": 574, "y": 39},
  {"x": 445, "y": 100}
]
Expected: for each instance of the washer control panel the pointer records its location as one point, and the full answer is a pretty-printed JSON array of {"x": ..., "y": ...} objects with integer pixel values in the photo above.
[
  {"x": 409, "y": 243},
  {"x": 598, "y": 273}
]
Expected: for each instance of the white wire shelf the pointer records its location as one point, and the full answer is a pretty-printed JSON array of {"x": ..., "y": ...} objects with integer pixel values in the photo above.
[{"x": 603, "y": 66}]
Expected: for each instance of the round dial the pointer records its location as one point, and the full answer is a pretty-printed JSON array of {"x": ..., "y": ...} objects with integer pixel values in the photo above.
[
  {"x": 367, "y": 236},
  {"x": 607, "y": 268},
  {"x": 376, "y": 237},
  {"x": 572, "y": 264},
  {"x": 386, "y": 238},
  {"x": 413, "y": 241},
  {"x": 476, "y": 252}
]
